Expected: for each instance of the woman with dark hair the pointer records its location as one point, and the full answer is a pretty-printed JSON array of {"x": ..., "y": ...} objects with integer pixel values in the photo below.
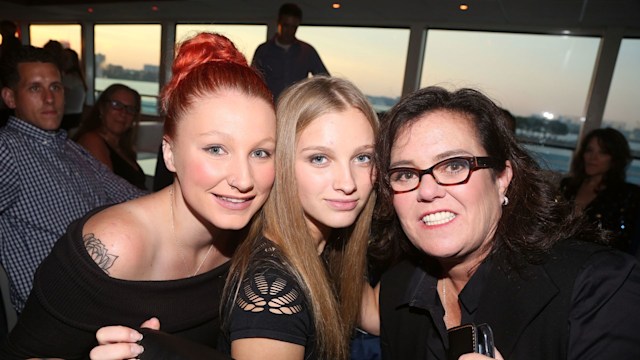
[
  {"x": 598, "y": 186},
  {"x": 165, "y": 254},
  {"x": 485, "y": 241},
  {"x": 109, "y": 132}
]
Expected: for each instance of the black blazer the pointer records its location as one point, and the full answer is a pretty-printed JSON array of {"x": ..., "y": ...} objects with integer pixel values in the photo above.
[{"x": 582, "y": 303}]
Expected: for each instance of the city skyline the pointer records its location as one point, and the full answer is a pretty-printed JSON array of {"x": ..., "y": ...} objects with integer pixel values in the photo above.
[{"x": 452, "y": 59}]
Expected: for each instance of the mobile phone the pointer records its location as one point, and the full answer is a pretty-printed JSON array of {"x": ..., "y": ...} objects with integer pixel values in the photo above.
[
  {"x": 470, "y": 338},
  {"x": 484, "y": 335}
]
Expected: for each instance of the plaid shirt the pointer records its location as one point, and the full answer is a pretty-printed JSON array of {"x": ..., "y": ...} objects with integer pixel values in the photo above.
[{"x": 46, "y": 181}]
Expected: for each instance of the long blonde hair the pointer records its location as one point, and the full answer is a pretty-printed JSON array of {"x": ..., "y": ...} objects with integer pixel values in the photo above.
[{"x": 332, "y": 283}]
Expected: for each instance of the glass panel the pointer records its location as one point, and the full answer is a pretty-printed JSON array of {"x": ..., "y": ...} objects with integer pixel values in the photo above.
[
  {"x": 623, "y": 107},
  {"x": 129, "y": 54},
  {"x": 245, "y": 37},
  {"x": 70, "y": 36},
  {"x": 372, "y": 58},
  {"x": 542, "y": 79}
]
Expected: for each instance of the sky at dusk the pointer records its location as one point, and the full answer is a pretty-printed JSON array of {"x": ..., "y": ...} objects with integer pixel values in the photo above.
[{"x": 525, "y": 73}]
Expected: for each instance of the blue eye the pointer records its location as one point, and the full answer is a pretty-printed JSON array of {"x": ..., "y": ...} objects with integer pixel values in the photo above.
[
  {"x": 318, "y": 159},
  {"x": 261, "y": 153},
  {"x": 215, "y": 150},
  {"x": 363, "y": 158}
]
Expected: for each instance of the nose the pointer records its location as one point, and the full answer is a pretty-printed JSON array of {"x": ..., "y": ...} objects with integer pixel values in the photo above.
[
  {"x": 123, "y": 112},
  {"x": 344, "y": 180},
  {"x": 429, "y": 189},
  {"x": 47, "y": 95},
  {"x": 240, "y": 176}
]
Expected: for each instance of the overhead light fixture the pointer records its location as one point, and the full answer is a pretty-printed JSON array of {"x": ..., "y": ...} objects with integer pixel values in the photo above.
[
  {"x": 464, "y": 7},
  {"x": 336, "y": 5}
]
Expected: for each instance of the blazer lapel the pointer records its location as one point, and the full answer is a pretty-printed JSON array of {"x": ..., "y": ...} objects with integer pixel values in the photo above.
[{"x": 509, "y": 304}]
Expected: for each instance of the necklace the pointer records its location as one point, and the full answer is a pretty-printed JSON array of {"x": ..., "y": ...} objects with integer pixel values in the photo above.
[
  {"x": 180, "y": 246},
  {"x": 444, "y": 298}
]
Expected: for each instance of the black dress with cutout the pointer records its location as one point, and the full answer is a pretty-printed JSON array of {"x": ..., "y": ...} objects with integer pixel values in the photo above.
[{"x": 270, "y": 304}]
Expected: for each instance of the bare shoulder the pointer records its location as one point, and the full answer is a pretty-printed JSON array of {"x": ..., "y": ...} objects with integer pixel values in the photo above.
[
  {"x": 91, "y": 139},
  {"x": 95, "y": 145},
  {"x": 119, "y": 239}
]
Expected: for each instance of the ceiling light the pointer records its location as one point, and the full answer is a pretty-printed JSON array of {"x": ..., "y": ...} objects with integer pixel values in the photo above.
[
  {"x": 336, "y": 5},
  {"x": 464, "y": 7}
]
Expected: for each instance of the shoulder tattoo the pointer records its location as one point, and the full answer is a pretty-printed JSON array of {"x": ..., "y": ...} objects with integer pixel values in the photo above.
[{"x": 98, "y": 252}]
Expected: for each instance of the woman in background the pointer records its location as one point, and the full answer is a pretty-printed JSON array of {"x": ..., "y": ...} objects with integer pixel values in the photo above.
[
  {"x": 109, "y": 132},
  {"x": 598, "y": 186}
]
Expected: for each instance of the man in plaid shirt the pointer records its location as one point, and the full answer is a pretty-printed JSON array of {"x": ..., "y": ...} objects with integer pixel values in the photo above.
[{"x": 46, "y": 180}]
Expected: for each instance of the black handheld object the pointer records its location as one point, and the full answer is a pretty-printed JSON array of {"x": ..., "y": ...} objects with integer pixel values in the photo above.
[
  {"x": 159, "y": 345},
  {"x": 469, "y": 338}
]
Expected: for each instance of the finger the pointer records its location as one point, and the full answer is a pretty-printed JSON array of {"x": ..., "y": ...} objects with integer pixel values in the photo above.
[
  {"x": 498, "y": 355},
  {"x": 116, "y": 351},
  {"x": 473, "y": 356},
  {"x": 117, "y": 334},
  {"x": 152, "y": 323}
]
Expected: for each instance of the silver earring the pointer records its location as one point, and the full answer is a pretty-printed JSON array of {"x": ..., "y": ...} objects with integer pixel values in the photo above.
[{"x": 505, "y": 201}]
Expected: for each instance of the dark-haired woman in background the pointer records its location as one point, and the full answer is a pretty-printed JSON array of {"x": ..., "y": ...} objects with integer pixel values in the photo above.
[
  {"x": 109, "y": 132},
  {"x": 598, "y": 185}
]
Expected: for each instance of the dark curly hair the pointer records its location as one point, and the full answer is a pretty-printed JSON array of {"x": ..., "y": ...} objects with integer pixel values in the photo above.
[{"x": 532, "y": 222}]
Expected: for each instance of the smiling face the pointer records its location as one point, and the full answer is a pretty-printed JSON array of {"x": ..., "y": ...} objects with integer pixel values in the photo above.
[
  {"x": 222, "y": 154},
  {"x": 38, "y": 98},
  {"x": 447, "y": 222},
  {"x": 596, "y": 161},
  {"x": 333, "y": 169},
  {"x": 118, "y": 112}
]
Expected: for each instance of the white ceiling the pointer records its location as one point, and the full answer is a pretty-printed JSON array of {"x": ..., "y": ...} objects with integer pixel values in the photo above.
[{"x": 578, "y": 16}]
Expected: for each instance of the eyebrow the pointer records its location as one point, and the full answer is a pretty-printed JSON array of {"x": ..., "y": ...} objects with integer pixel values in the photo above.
[
  {"x": 442, "y": 156},
  {"x": 364, "y": 147},
  {"x": 43, "y": 83},
  {"x": 228, "y": 136},
  {"x": 316, "y": 148},
  {"x": 216, "y": 133},
  {"x": 331, "y": 150}
]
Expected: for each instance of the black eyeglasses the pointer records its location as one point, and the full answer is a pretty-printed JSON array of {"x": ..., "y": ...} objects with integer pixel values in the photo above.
[
  {"x": 117, "y": 105},
  {"x": 452, "y": 171}
]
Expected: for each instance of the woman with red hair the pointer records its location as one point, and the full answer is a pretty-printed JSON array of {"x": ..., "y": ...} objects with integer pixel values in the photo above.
[{"x": 165, "y": 254}]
